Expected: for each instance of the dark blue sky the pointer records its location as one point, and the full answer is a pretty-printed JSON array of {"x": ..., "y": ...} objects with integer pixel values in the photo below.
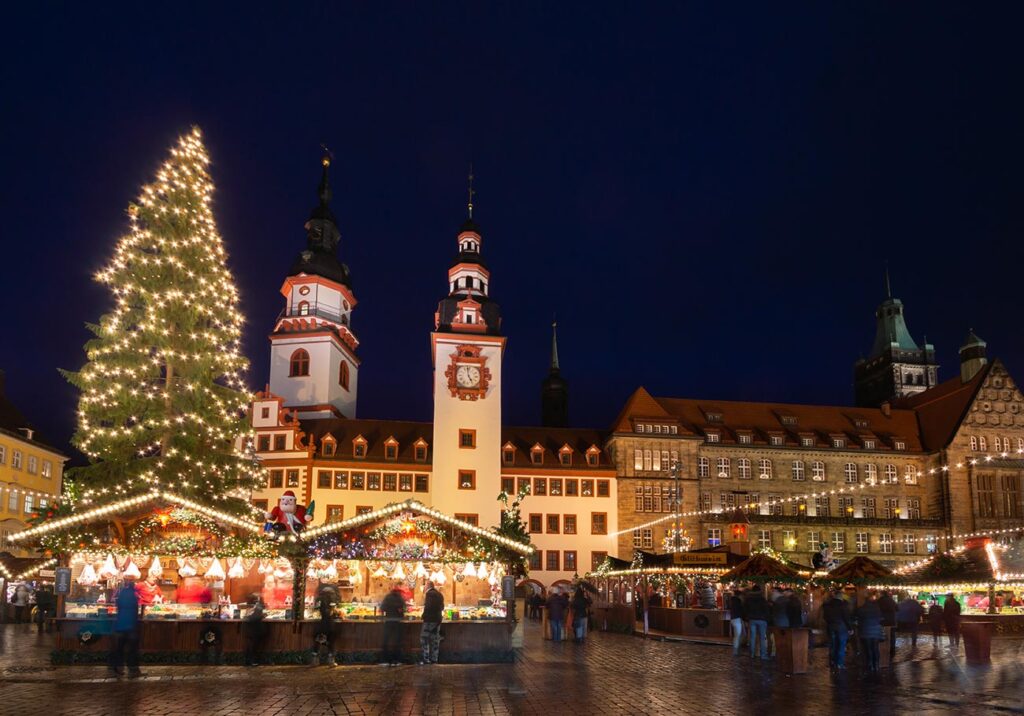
[{"x": 706, "y": 193}]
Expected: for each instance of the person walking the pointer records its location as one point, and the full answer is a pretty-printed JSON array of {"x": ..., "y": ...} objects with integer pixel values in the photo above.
[
  {"x": 780, "y": 612},
  {"x": 794, "y": 609},
  {"x": 935, "y": 620},
  {"x": 46, "y": 606},
  {"x": 839, "y": 626},
  {"x": 887, "y": 605},
  {"x": 908, "y": 617},
  {"x": 253, "y": 631},
  {"x": 758, "y": 612},
  {"x": 430, "y": 634},
  {"x": 556, "y": 613},
  {"x": 869, "y": 629},
  {"x": 951, "y": 618},
  {"x": 21, "y": 604},
  {"x": 580, "y": 608},
  {"x": 393, "y": 609},
  {"x": 126, "y": 632},
  {"x": 736, "y": 619}
]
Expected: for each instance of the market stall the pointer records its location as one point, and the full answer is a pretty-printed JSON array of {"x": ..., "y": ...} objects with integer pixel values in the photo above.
[{"x": 985, "y": 577}]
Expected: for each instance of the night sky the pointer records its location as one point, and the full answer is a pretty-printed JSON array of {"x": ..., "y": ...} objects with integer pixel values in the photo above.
[{"x": 706, "y": 194}]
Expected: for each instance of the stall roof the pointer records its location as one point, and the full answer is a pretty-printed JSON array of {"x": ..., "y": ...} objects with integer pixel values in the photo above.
[
  {"x": 16, "y": 568},
  {"x": 417, "y": 507},
  {"x": 860, "y": 569},
  {"x": 761, "y": 567},
  {"x": 978, "y": 563}
]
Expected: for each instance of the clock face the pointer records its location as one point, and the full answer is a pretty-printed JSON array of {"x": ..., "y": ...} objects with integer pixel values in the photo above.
[{"x": 467, "y": 376}]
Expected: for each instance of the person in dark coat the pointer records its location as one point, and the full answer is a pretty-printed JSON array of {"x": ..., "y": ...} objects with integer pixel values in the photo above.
[
  {"x": 736, "y": 620},
  {"x": 254, "y": 631},
  {"x": 46, "y": 606},
  {"x": 908, "y": 617},
  {"x": 951, "y": 618},
  {"x": 780, "y": 614},
  {"x": 126, "y": 631},
  {"x": 839, "y": 626},
  {"x": 580, "y": 610},
  {"x": 935, "y": 621},
  {"x": 393, "y": 609},
  {"x": 887, "y": 605},
  {"x": 556, "y": 613},
  {"x": 758, "y": 613},
  {"x": 430, "y": 634},
  {"x": 869, "y": 628},
  {"x": 794, "y": 609}
]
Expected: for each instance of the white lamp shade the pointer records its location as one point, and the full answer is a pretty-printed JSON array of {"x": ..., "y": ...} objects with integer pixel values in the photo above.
[
  {"x": 216, "y": 571},
  {"x": 469, "y": 570},
  {"x": 237, "y": 569},
  {"x": 420, "y": 570},
  {"x": 331, "y": 573},
  {"x": 156, "y": 570},
  {"x": 482, "y": 572},
  {"x": 187, "y": 570},
  {"x": 132, "y": 570},
  {"x": 88, "y": 576},
  {"x": 399, "y": 573},
  {"x": 109, "y": 569}
]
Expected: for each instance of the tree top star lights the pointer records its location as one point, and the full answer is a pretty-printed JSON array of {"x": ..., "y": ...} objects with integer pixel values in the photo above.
[{"x": 162, "y": 400}]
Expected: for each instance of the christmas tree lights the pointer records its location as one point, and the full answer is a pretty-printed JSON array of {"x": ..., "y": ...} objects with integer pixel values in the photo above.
[{"x": 162, "y": 402}]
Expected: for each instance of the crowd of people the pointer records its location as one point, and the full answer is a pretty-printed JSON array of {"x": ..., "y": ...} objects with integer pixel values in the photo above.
[
  {"x": 559, "y": 606},
  {"x": 751, "y": 612}
]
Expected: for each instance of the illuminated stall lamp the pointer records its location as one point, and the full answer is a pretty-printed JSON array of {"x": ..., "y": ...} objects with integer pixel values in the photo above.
[
  {"x": 482, "y": 571},
  {"x": 187, "y": 570},
  {"x": 331, "y": 573},
  {"x": 237, "y": 569},
  {"x": 399, "y": 573},
  {"x": 438, "y": 577},
  {"x": 88, "y": 576},
  {"x": 131, "y": 570},
  {"x": 156, "y": 570},
  {"x": 420, "y": 570},
  {"x": 215, "y": 572},
  {"x": 379, "y": 572},
  {"x": 109, "y": 569}
]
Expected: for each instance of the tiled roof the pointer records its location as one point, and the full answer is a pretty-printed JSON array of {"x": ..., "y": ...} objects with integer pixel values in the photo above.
[
  {"x": 375, "y": 432},
  {"x": 941, "y": 410},
  {"x": 552, "y": 440},
  {"x": 788, "y": 420}
]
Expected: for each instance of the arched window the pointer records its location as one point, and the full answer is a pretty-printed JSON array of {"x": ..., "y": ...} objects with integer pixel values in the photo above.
[
  {"x": 299, "y": 364},
  {"x": 303, "y": 308},
  {"x": 343, "y": 375}
]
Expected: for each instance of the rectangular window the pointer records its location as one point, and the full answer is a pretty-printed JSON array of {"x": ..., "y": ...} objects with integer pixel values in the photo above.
[
  {"x": 556, "y": 486},
  {"x": 323, "y": 478},
  {"x": 340, "y": 480},
  {"x": 335, "y": 513},
  {"x": 569, "y": 524},
  {"x": 869, "y": 444},
  {"x": 890, "y": 507},
  {"x": 743, "y": 468},
  {"x": 745, "y": 439},
  {"x": 813, "y": 541},
  {"x": 569, "y": 560},
  {"x": 800, "y": 506},
  {"x": 838, "y": 442},
  {"x": 724, "y": 467},
  {"x": 818, "y": 471},
  {"x": 565, "y": 458},
  {"x": 638, "y": 499},
  {"x": 727, "y": 500},
  {"x": 850, "y": 473},
  {"x": 598, "y": 523},
  {"x": 604, "y": 488},
  {"x": 592, "y": 458},
  {"x": 536, "y": 524},
  {"x": 638, "y": 539},
  {"x": 328, "y": 449},
  {"x": 540, "y": 486},
  {"x": 705, "y": 502},
  {"x": 867, "y": 507},
  {"x": 3, "y": 455},
  {"x": 12, "y": 501},
  {"x": 775, "y": 440},
  {"x": 16, "y": 459},
  {"x": 764, "y": 539},
  {"x": 910, "y": 474},
  {"x": 28, "y": 504},
  {"x": 899, "y": 445},
  {"x": 524, "y": 485},
  {"x": 404, "y": 483},
  {"x": 714, "y": 437},
  {"x": 467, "y": 439},
  {"x": 807, "y": 442},
  {"x": 572, "y": 488},
  {"x": 982, "y": 443},
  {"x": 703, "y": 467},
  {"x": 420, "y": 454},
  {"x": 363, "y": 509},
  {"x": 913, "y": 508},
  {"x": 467, "y": 479},
  {"x": 845, "y": 506},
  {"x": 775, "y": 505},
  {"x": 553, "y": 556},
  {"x": 423, "y": 483},
  {"x": 263, "y": 443},
  {"x": 871, "y": 474},
  {"x": 909, "y": 544},
  {"x": 358, "y": 481},
  {"x": 276, "y": 479},
  {"x": 648, "y": 537},
  {"x": 648, "y": 460},
  {"x": 798, "y": 470},
  {"x": 587, "y": 488},
  {"x": 535, "y": 560},
  {"x": 508, "y": 485},
  {"x": 789, "y": 539},
  {"x": 469, "y": 519},
  {"x": 862, "y": 543},
  {"x": 890, "y": 475},
  {"x": 554, "y": 522},
  {"x": 373, "y": 481},
  {"x": 974, "y": 442},
  {"x": 885, "y": 543},
  {"x": 279, "y": 442},
  {"x": 838, "y": 542},
  {"x": 597, "y": 559},
  {"x": 293, "y": 478},
  {"x": 390, "y": 482},
  {"x": 638, "y": 459},
  {"x": 714, "y": 537},
  {"x": 1011, "y": 495},
  {"x": 986, "y": 497},
  {"x": 765, "y": 469},
  {"x": 822, "y": 508}
]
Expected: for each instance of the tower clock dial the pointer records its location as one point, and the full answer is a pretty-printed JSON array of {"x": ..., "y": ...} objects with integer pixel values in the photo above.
[{"x": 468, "y": 376}]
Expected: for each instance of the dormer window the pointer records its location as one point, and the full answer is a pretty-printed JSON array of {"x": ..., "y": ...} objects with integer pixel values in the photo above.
[
  {"x": 328, "y": 446},
  {"x": 593, "y": 456},
  {"x": 508, "y": 454},
  {"x": 420, "y": 450},
  {"x": 359, "y": 447},
  {"x": 869, "y": 444},
  {"x": 807, "y": 442},
  {"x": 391, "y": 449},
  {"x": 713, "y": 437},
  {"x": 745, "y": 439},
  {"x": 714, "y": 417},
  {"x": 536, "y": 454},
  {"x": 788, "y": 419},
  {"x": 775, "y": 440},
  {"x": 303, "y": 308},
  {"x": 899, "y": 445},
  {"x": 565, "y": 455},
  {"x": 860, "y": 423},
  {"x": 838, "y": 442}
]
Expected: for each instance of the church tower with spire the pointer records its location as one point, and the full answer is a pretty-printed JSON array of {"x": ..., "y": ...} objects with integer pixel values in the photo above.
[
  {"x": 554, "y": 390},
  {"x": 466, "y": 350},
  {"x": 896, "y": 366},
  {"x": 313, "y": 363}
]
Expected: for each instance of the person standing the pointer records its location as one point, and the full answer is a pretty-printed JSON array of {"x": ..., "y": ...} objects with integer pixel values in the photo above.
[
  {"x": 869, "y": 628},
  {"x": 430, "y": 634},
  {"x": 887, "y": 605},
  {"x": 393, "y": 609},
  {"x": 838, "y": 625},
  {"x": 580, "y": 609},
  {"x": 758, "y": 612},
  {"x": 21, "y": 604},
  {"x": 951, "y": 618},
  {"x": 556, "y": 613},
  {"x": 736, "y": 619},
  {"x": 908, "y": 618},
  {"x": 126, "y": 632},
  {"x": 253, "y": 631},
  {"x": 794, "y": 609},
  {"x": 46, "y": 605},
  {"x": 935, "y": 620}
]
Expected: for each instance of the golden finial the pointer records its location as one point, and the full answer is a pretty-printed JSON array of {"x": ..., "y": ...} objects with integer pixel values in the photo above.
[{"x": 469, "y": 205}]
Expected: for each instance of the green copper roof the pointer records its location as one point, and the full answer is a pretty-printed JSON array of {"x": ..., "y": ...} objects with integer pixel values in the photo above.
[{"x": 891, "y": 331}]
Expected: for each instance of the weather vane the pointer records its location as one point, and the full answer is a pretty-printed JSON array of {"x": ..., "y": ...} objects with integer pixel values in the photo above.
[
  {"x": 471, "y": 191},
  {"x": 328, "y": 155}
]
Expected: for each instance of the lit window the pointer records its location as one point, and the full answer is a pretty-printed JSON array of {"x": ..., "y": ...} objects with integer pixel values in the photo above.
[
  {"x": 343, "y": 375},
  {"x": 3, "y": 455},
  {"x": 838, "y": 442},
  {"x": 807, "y": 442},
  {"x": 818, "y": 471},
  {"x": 890, "y": 475},
  {"x": 743, "y": 468},
  {"x": 869, "y": 444},
  {"x": 899, "y": 445},
  {"x": 885, "y": 543},
  {"x": 982, "y": 443},
  {"x": 909, "y": 544},
  {"x": 713, "y": 437},
  {"x": 798, "y": 470},
  {"x": 703, "y": 467},
  {"x": 838, "y": 542},
  {"x": 910, "y": 474},
  {"x": 33, "y": 465},
  {"x": 724, "y": 467},
  {"x": 745, "y": 439},
  {"x": 776, "y": 440},
  {"x": 299, "y": 364},
  {"x": 871, "y": 474},
  {"x": 850, "y": 472},
  {"x": 862, "y": 543},
  {"x": 714, "y": 537},
  {"x": 765, "y": 468},
  {"x": 638, "y": 459},
  {"x": 16, "y": 459},
  {"x": 974, "y": 442},
  {"x": 47, "y": 468}
]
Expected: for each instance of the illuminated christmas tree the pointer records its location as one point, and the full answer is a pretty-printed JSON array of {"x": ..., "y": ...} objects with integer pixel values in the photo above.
[{"x": 162, "y": 400}]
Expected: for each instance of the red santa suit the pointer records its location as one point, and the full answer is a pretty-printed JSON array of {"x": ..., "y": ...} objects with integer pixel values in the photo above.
[{"x": 289, "y": 514}]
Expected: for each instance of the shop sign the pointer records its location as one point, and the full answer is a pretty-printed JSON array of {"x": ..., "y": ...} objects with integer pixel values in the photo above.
[
  {"x": 699, "y": 559},
  {"x": 62, "y": 580}
]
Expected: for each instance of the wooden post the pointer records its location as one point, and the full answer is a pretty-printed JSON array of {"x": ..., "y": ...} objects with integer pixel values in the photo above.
[
  {"x": 992, "y": 599},
  {"x": 299, "y": 565},
  {"x": 645, "y": 603}
]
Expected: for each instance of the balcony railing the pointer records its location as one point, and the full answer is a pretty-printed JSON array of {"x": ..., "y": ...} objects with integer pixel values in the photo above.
[{"x": 328, "y": 313}]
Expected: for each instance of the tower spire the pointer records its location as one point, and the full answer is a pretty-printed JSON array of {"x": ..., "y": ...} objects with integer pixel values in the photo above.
[
  {"x": 888, "y": 286},
  {"x": 469, "y": 204},
  {"x": 554, "y": 346},
  {"x": 324, "y": 189}
]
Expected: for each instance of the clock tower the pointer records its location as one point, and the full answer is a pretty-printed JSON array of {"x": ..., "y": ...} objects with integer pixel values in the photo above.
[{"x": 467, "y": 347}]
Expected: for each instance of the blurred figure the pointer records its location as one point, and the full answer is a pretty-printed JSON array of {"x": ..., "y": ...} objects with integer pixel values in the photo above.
[
  {"x": 908, "y": 617},
  {"x": 736, "y": 620},
  {"x": 951, "y": 618},
  {"x": 21, "y": 603},
  {"x": 758, "y": 612},
  {"x": 430, "y": 634},
  {"x": 253, "y": 631},
  {"x": 327, "y": 597},
  {"x": 126, "y": 631},
  {"x": 887, "y": 605},
  {"x": 556, "y": 613},
  {"x": 869, "y": 628},
  {"x": 935, "y": 620},
  {"x": 580, "y": 609},
  {"x": 393, "y": 609},
  {"x": 46, "y": 605},
  {"x": 839, "y": 626}
]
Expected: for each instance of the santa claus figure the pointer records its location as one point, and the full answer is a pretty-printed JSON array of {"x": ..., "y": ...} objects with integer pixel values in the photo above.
[{"x": 288, "y": 516}]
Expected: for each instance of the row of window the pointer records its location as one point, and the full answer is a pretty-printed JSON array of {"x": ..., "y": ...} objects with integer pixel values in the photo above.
[
  {"x": 798, "y": 470},
  {"x": 553, "y": 560},
  {"x": 557, "y": 486},
  {"x": 821, "y": 504},
  {"x": 345, "y": 480},
  {"x": 1005, "y": 503},
  {"x": 553, "y": 525},
  {"x": 806, "y": 441},
  {"x": 31, "y": 465},
  {"x": 999, "y": 444},
  {"x": 656, "y": 429},
  {"x": 787, "y": 540},
  {"x": 565, "y": 455},
  {"x": 298, "y": 367}
]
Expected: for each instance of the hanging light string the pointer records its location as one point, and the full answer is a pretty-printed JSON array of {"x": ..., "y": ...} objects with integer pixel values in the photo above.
[{"x": 991, "y": 552}]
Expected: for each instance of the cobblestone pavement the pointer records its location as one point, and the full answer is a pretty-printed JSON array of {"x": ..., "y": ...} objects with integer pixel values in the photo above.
[{"x": 611, "y": 674}]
